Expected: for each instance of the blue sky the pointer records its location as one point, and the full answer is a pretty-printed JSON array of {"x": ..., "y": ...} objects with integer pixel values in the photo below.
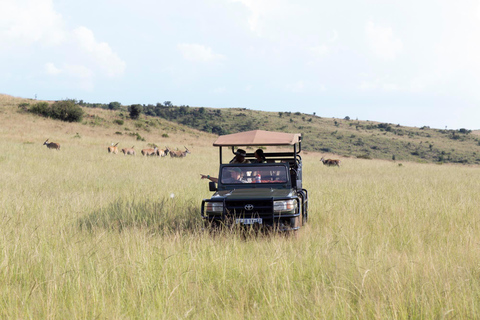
[{"x": 412, "y": 63}]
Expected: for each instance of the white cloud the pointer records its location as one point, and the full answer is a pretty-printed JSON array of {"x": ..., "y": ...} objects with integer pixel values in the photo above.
[
  {"x": 78, "y": 75},
  {"x": 273, "y": 18},
  {"x": 78, "y": 71},
  {"x": 334, "y": 36},
  {"x": 51, "y": 69},
  {"x": 100, "y": 52},
  {"x": 256, "y": 8},
  {"x": 28, "y": 21},
  {"x": 382, "y": 41},
  {"x": 199, "y": 53},
  {"x": 35, "y": 28}
]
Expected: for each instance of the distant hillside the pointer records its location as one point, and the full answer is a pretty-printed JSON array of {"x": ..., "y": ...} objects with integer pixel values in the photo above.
[
  {"x": 111, "y": 126},
  {"x": 345, "y": 137}
]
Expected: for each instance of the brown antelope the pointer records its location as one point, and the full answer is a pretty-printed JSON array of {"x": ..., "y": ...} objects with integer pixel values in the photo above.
[
  {"x": 150, "y": 152},
  {"x": 331, "y": 162},
  {"x": 113, "y": 148},
  {"x": 51, "y": 145},
  {"x": 127, "y": 151},
  {"x": 163, "y": 153},
  {"x": 179, "y": 154}
]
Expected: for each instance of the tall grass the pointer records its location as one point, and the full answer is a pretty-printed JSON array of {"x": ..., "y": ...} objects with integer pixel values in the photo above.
[{"x": 87, "y": 234}]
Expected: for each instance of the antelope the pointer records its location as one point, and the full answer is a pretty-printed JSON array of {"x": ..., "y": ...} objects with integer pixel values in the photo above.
[
  {"x": 150, "y": 152},
  {"x": 163, "y": 153},
  {"x": 113, "y": 148},
  {"x": 179, "y": 154},
  {"x": 331, "y": 162},
  {"x": 51, "y": 145},
  {"x": 127, "y": 151}
]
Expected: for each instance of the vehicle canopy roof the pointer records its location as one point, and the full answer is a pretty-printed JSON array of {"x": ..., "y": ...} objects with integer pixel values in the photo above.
[{"x": 258, "y": 138}]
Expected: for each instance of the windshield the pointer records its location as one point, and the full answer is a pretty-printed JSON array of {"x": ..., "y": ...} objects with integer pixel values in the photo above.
[{"x": 254, "y": 174}]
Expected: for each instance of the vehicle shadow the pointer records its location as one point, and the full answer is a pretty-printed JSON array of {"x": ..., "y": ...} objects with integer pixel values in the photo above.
[{"x": 161, "y": 216}]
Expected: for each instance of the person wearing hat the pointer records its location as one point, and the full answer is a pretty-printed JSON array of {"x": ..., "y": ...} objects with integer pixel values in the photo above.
[
  {"x": 240, "y": 155},
  {"x": 235, "y": 177}
]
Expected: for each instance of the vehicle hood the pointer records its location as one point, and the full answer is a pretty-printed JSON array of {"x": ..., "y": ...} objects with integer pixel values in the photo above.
[{"x": 258, "y": 193}]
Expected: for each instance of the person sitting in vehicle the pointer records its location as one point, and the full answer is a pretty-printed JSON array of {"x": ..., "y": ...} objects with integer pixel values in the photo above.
[
  {"x": 259, "y": 156},
  {"x": 235, "y": 177},
  {"x": 240, "y": 155}
]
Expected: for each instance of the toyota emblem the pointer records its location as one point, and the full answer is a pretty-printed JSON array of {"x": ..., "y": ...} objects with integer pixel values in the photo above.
[{"x": 249, "y": 207}]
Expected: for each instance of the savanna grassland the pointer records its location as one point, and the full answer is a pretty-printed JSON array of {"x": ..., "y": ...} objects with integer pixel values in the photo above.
[{"x": 87, "y": 234}]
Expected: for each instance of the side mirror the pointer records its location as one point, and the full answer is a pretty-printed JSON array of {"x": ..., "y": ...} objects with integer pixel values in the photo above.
[{"x": 212, "y": 186}]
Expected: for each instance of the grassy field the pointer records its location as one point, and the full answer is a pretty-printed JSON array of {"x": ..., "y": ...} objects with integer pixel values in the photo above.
[{"x": 87, "y": 234}]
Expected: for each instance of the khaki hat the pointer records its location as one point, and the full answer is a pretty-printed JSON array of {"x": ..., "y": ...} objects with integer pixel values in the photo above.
[{"x": 241, "y": 152}]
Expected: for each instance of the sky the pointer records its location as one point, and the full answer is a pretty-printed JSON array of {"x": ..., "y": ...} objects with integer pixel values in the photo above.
[{"x": 408, "y": 62}]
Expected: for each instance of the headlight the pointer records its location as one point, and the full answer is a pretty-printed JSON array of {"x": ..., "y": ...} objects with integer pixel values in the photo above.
[
  {"x": 284, "y": 205},
  {"x": 214, "y": 207}
]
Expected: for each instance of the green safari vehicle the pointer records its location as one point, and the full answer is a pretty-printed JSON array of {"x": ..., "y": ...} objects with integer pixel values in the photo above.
[{"x": 267, "y": 194}]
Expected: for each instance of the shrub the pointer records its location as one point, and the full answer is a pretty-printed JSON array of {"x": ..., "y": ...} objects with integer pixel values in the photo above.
[
  {"x": 40, "y": 108},
  {"x": 114, "y": 105},
  {"x": 65, "y": 110},
  {"x": 165, "y": 135},
  {"x": 135, "y": 110},
  {"x": 119, "y": 121}
]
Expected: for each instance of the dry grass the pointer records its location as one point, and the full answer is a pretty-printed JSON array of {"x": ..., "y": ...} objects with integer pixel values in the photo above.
[{"x": 87, "y": 234}]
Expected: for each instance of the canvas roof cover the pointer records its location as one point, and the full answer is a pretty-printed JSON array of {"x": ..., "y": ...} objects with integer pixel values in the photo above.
[{"x": 258, "y": 138}]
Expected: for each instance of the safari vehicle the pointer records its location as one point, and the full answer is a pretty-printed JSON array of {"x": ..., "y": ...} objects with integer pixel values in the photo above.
[{"x": 270, "y": 194}]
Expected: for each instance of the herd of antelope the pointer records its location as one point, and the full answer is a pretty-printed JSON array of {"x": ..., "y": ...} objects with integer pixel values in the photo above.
[
  {"x": 131, "y": 151},
  {"x": 150, "y": 151},
  {"x": 164, "y": 152}
]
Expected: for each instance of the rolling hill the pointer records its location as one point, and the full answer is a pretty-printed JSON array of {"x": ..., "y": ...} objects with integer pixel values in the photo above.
[{"x": 344, "y": 137}]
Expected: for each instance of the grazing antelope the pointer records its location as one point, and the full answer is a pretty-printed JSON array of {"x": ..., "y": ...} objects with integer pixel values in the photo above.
[
  {"x": 163, "y": 153},
  {"x": 179, "y": 154},
  {"x": 150, "y": 152},
  {"x": 113, "y": 148},
  {"x": 51, "y": 145},
  {"x": 127, "y": 151},
  {"x": 331, "y": 162}
]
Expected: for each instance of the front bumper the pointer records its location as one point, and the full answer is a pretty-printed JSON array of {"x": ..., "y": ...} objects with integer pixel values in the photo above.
[{"x": 258, "y": 213}]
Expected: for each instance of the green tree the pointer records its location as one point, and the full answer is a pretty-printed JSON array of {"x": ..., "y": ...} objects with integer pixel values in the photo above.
[
  {"x": 114, "y": 105},
  {"x": 135, "y": 110}
]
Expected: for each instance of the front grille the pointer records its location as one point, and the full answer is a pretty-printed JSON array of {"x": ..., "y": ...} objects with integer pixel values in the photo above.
[{"x": 260, "y": 207}]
